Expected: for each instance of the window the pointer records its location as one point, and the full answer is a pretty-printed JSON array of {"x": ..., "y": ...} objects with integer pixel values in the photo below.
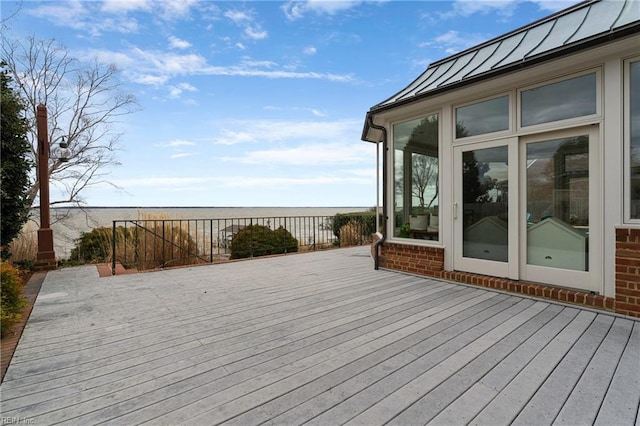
[
  {"x": 633, "y": 131},
  {"x": 416, "y": 178},
  {"x": 482, "y": 117},
  {"x": 575, "y": 97}
]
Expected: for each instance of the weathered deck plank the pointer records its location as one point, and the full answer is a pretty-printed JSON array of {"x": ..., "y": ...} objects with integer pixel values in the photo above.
[{"x": 319, "y": 338}]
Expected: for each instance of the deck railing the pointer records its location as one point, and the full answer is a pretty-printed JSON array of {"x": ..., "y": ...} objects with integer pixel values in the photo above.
[{"x": 161, "y": 243}]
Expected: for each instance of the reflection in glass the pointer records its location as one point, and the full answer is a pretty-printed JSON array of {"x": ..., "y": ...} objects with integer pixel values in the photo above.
[
  {"x": 416, "y": 177},
  {"x": 485, "y": 187},
  {"x": 482, "y": 117},
  {"x": 634, "y": 132},
  {"x": 565, "y": 99},
  {"x": 558, "y": 203}
]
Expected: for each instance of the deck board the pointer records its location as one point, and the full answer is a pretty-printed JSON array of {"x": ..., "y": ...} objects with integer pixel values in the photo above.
[{"x": 318, "y": 338}]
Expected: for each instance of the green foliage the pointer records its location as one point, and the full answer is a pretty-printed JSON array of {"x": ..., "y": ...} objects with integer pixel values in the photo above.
[
  {"x": 94, "y": 246},
  {"x": 366, "y": 220},
  {"x": 11, "y": 283},
  {"x": 15, "y": 161},
  {"x": 258, "y": 240}
]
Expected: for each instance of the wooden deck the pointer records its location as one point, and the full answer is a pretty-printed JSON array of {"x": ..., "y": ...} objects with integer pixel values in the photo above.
[{"x": 318, "y": 338}]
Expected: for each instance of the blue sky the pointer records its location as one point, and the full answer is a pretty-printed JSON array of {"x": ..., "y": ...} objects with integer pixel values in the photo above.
[{"x": 258, "y": 103}]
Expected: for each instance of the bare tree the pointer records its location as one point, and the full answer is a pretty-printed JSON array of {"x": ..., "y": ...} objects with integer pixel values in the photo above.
[
  {"x": 424, "y": 174},
  {"x": 83, "y": 103}
]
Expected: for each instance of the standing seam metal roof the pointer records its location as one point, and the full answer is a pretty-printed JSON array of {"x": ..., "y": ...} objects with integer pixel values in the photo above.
[{"x": 570, "y": 28}]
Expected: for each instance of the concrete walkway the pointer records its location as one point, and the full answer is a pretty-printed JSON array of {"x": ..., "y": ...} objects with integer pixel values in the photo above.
[{"x": 319, "y": 338}]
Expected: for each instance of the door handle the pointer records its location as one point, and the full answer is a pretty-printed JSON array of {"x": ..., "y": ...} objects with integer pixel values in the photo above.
[{"x": 455, "y": 210}]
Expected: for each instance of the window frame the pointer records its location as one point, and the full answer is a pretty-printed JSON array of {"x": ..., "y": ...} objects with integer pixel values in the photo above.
[
  {"x": 574, "y": 121},
  {"x": 626, "y": 132},
  {"x": 490, "y": 135},
  {"x": 391, "y": 228}
]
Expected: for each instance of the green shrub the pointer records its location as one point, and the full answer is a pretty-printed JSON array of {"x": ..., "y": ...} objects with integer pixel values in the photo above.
[
  {"x": 365, "y": 220},
  {"x": 93, "y": 246},
  {"x": 258, "y": 240},
  {"x": 11, "y": 283}
]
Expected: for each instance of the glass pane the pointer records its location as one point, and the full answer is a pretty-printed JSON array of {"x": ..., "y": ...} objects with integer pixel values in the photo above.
[
  {"x": 634, "y": 131},
  {"x": 571, "y": 98},
  {"x": 416, "y": 175},
  {"x": 558, "y": 203},
  {"x": 482, "y": 117},
  {"x": 485, "y": 187}
]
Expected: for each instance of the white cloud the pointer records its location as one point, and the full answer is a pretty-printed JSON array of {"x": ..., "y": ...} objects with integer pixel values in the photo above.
[
  {"x": 176, "y": 9},
  {"x": 119, "y": 6},
  {"x": 553, "y": 5},
  {"x": 326, "y": 132},
  {"x": 309, "y": 155},
  {"x": 182, "y": 155},
  {"x": 176, "y": 91},
  {"x": 243, "y": 19},
  {"x": 176, "y": 43},
  {"x": 153, "y": 67},
  {"x": 452, "y": 41},
  {"x": 255, "y": 33},
  {"x": 83, "y": 17},
  {"x": 231, "y": 137},
  {"x": 309, "y": 50},
  {"x": 297, "y": 9},
  {"x": 238, "y": 16},
  {"x": 179, "y": 142},
  {"x": 192, "y": 182},
  {"x": 471, "y": 7}
]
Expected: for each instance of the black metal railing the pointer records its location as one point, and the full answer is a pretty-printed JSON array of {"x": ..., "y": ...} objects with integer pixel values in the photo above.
[{"x": 160, "y": 243}]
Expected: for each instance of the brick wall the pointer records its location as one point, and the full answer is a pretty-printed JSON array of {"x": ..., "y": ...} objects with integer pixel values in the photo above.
[
  {"x": 413, "y": 259},
  {"x": 429, "y": 261},
  {"x": 628, "y": 271}
]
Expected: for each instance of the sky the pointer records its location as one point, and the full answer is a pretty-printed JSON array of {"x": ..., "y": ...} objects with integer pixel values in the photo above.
[{"x": 257, "y": 103}]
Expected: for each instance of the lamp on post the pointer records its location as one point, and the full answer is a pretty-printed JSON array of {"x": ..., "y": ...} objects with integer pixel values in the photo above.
[{"x": 46, "y": 257}]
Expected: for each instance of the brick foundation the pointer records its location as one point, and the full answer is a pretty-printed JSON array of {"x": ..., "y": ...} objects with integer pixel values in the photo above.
[
  {"x": 429, "y": 261},
  {"x": 628, "y": 271}
]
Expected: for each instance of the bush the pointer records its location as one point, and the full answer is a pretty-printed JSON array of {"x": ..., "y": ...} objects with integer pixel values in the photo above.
[
  {"x": 259, "y": 240},
  {"x": 93, "y": 246},
  {"x": 366, "y": 221},
  {"x": 11, "y": 283}
]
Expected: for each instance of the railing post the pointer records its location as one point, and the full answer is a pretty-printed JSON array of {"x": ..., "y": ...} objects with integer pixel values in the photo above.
[
  {"x": 163, "y": 244},
  {"x": 113, "y": 249},
  {"x": 210, "y": 240}
]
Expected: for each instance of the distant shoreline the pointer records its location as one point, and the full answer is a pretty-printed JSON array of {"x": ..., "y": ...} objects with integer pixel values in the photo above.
[{"x": 206, "y": 207}]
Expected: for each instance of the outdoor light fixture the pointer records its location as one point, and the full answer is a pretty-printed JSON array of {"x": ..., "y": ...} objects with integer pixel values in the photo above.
[{"x": 62, "y": 152}]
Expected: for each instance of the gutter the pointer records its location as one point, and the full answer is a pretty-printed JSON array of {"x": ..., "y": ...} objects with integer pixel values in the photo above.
[{"x": 384, "y": 189}]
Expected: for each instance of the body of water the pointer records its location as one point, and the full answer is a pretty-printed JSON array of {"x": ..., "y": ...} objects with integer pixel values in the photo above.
[{"x": 69, "y": 223}]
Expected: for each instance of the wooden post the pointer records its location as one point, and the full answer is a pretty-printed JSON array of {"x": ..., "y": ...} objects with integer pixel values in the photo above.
[{"x": 46, "y": 257}]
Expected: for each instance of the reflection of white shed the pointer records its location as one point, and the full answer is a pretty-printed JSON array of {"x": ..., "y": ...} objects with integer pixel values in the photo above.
[
  {"x": 226, "y": 235},
  {"x": 487, "y": 239},
  {"x": 556, "y": 244}
]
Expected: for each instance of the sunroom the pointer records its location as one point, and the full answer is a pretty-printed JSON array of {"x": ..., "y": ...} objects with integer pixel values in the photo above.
[{"x": 516, "y": 164}]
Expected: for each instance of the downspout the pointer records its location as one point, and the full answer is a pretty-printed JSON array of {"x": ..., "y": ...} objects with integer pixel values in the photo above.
[{"x": 384, "y": 190}]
